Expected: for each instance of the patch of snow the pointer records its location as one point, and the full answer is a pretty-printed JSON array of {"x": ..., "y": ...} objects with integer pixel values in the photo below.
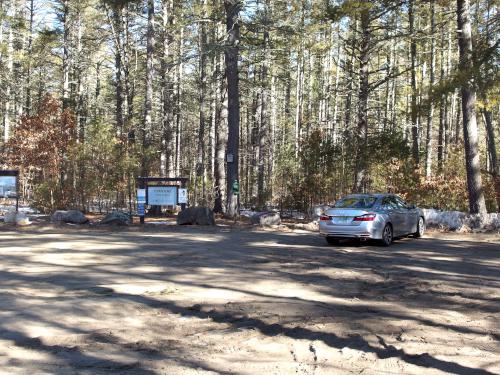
[
  {"x": 461, "y": 221},
  {"x": 163, "y": 223},
  {"x": 247, "y": 213}
]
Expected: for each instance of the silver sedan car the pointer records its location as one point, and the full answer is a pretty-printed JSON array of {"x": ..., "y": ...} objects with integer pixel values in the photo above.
[{"x": 371, "y": 216}]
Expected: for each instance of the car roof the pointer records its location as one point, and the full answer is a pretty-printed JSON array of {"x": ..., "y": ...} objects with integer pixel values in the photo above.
[{"x": 377, "y": 195}]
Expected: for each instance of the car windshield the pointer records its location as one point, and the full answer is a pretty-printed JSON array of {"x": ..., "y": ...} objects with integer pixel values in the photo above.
[{"x": 356, "y": 202}]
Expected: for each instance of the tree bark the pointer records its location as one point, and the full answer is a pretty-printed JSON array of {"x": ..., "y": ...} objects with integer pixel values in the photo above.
[
  {"x": 430, "y": 113},
  {"x": 362, "y": 128},
  {"x": 201, "y": 154},
  {"x": 31, "y": 8},
  {"x": 263, "y": 151},
  {"x": 220, "y": 144},
  {"x": 148, "y": 100},
  {"x": 167, "y": 88},
  {"x": 66, "y": 55},
  {"x": 232, "y": 8},
  {"x": 7, "y": 120},
  {"x": 492, "y": 152},
  {"x": 413, "y": 109},
  {"x": 474, "y": 182}
]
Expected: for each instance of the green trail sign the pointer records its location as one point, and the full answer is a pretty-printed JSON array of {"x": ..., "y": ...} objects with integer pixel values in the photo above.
[{"x": 236, "y": 187}]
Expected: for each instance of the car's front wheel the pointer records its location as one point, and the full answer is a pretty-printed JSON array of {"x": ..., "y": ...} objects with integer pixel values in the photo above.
[
  {"x": 420, "y": 228},
  {"x": 387, "y": 235},
  {"x": 332, "y": 241}
]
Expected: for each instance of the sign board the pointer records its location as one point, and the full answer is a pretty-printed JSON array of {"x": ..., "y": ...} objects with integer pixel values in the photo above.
[
  {"x": 230, "y": 158},
  {"x": 140, "y": 209},
  {"x": 141, "y": 195},
  {"x": 182, "y": 196},
  {"x": 8, "y": 187},
  {"x": 236, "y": 187},
  {"x": 162, "y": 195}
]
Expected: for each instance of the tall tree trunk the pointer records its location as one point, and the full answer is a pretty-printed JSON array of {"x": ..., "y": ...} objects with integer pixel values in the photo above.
[
  {"x": 333, "y": 126},
  {"x": 66, "y": 63},
  {"x": 413, "y": 109},
  {"x": 263, "y": 151},
  {"x": 167, "y": 88},
  {"x": 442, "y": 109},
  {"x": 362, "y": 128},
  {"x": 430, "y": 113},
  {"x": 116, "y": 24},
  {"x": 492, "y": 152},
  {"x": 474, "y": 182},
  {"x": 7, "y": 120},
  {"x": 148, "y": 100},
  {"x": 201, "y": 154},
  {"x": 31, "y": 8},
  {"x": 233, "y": 29},
  {"x": 299, "y": 100},
  {"x": 179, "y": 101},
  {"x": 220, "y": 143}
]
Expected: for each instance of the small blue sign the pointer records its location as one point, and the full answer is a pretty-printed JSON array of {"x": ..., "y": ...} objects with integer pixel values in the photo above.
[{"x": 140, "y": 209}]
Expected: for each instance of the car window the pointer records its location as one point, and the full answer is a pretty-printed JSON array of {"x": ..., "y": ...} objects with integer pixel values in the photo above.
[
  {"x": 356, "y": 202},
  {"x": 401, "y": 203},
  {"x": 390, "y": 203}
]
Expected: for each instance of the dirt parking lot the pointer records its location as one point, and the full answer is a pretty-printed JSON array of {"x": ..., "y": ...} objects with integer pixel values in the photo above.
[{"x": 232, "y": 301}]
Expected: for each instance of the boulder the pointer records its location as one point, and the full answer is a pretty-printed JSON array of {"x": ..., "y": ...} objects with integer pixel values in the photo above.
[
  {"x": 18, "y": 218},
  {"x": 266, "y": 218},
  {"x": 116, "y": 218},
  {"x": 196, "y": 216},
  {"x": 71, "y": 216},
  {"x": 10, "y": 217},
  {"x": 317, "y": 211},
  {"x": 22, "y": 219}
]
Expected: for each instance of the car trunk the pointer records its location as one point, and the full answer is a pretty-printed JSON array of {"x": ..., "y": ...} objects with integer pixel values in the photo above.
[{"x": 344, "y": 216}]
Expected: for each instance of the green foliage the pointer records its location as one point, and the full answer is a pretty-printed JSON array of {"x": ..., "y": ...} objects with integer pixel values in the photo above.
[
  {"x": 47, "y": 197},
  {"x": 106, "y": 165}
]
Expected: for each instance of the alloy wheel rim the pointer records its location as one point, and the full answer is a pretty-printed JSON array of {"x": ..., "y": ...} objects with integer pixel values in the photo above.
[
  {"x": 387, "y": 234},
  {"x": 421, "y": 228}
]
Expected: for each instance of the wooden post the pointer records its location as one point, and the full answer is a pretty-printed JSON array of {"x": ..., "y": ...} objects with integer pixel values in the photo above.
[{"x": 142, "y": 185}]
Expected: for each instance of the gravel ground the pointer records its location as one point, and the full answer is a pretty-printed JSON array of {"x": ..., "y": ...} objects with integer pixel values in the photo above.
[{"x": 225, "y": 300}]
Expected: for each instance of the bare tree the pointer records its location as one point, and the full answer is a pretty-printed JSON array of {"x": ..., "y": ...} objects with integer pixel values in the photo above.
[{"x": 474, "y": 182}]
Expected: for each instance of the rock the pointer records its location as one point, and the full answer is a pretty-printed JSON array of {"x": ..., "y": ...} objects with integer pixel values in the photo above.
[
  {"x": 313, "y": 226},
  {"x": 22, "y": 219},
  {"x": 464, "y": 229},
  {"x": 18, "y": 218},
  {"x": 71, "y": 216},
  {"x": 116, "y": 218},
  {"x": 196, "y": 216},
  {"x": 10, "y": 217},
  {"x": 266, "y": 218},
  {"x": 317, "y": 211}
]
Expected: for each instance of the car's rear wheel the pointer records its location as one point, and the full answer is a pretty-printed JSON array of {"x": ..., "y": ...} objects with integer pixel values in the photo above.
[
  {"x": 332, "y": 241},
  {"x": 387, "y": 235},
  {"x": 420, "y": 228}
]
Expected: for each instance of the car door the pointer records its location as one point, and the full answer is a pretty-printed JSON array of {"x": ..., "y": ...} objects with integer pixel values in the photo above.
[
  {"x": 396, "y": 215},
  {"x": 411, "y": 216}
]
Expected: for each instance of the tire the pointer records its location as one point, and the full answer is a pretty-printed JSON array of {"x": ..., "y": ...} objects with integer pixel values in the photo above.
[
  {"x": 331, "y": 241},
  {"x": 420, "y": 228},
  {"x": 387, "y": 235}
]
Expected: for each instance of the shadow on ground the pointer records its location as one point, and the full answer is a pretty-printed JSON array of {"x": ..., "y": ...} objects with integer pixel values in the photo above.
[{"x": 143, "y": 302}]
